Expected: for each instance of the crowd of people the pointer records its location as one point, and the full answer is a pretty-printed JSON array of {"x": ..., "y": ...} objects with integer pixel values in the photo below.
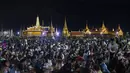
[{"x": 64, "y": 55}]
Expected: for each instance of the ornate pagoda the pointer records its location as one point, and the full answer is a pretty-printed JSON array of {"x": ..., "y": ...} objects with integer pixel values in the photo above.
[
  {"x": 103, "y": 29},
  {"x": 34, "y": 30},
  {"x": 65, "y": 32},
  {"x": 87, "y": 30},
  {"x": 119, "y": 31},
  {"x": 39, "y": 30},
  {"x": 51, "y": 32}
]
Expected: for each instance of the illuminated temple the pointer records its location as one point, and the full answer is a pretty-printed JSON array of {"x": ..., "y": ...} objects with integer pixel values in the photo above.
[
  {"x": 101, "y": 31},
  {"x": 39, "y": 30}
]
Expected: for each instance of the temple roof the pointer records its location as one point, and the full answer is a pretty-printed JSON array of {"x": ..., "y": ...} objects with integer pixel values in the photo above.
[{"x": 76, "y": 33}]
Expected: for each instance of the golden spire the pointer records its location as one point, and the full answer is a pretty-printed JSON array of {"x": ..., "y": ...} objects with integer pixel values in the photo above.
[
  {"x": 119, "y": 28},
  {"x": 37, "y": 21},
  {"x": 42, "y": 22},
  {"x": 51, "y": 26},
  {"x": 87, "y": 31},
  {"x": 104, "y": 29},
  {"x": 87, "y": 27},
  {"x": 103, "y": 25},
  {"x": 52, "y": 29},
  {"x": 65, "y": 29},
  {"x": 120, "y": 32},
  {"x": 65, "y": 24}
]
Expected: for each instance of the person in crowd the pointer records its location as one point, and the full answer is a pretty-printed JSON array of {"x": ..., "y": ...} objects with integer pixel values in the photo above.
[{"x": 64, "y": 55}]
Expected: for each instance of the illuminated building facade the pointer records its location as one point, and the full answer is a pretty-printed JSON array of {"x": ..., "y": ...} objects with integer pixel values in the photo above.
[
  {"x": 101, "y": 31},
  {"x": 39, "y": 30}
]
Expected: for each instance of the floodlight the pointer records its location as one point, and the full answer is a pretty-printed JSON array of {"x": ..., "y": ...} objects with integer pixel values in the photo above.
[
  {"x": 18, "y": 33},
  {"x": 57, "y": 33}
]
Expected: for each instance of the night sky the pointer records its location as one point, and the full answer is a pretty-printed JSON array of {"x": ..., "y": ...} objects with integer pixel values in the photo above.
[{"x": 16, "y": 14}]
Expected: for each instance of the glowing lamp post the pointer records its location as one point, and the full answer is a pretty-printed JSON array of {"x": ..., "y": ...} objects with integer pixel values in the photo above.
[
  {"x": 18, "y": 33},
  {"x": 117, "y": 33},
  {"x": 43, "y": 33},
  {"x": 57, "y": 33}
]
